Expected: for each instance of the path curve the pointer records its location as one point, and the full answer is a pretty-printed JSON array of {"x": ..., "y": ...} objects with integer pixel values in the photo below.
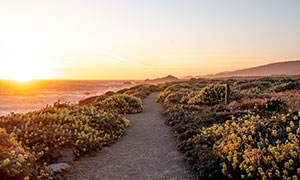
[{"x": 146, "y": 152}]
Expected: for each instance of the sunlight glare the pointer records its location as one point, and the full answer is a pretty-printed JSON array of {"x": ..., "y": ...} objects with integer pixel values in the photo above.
[{"x": 25, "y": 69}]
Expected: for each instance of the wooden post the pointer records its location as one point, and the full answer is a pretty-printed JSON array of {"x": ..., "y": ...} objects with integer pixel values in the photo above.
[{"x": 227, "y": 94}]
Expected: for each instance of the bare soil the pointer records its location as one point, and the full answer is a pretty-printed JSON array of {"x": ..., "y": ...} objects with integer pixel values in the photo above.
[{"x": 146, "y": 152}]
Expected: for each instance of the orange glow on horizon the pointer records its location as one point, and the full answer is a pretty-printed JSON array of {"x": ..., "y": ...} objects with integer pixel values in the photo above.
[{"x": 135, "y": 41}]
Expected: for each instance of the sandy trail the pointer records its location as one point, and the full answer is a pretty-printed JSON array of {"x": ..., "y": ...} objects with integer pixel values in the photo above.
[{"x": 146, "y": 152}]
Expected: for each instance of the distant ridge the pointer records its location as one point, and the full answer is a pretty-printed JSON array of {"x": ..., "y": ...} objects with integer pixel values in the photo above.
[
  {"x": 287, "y": 68},
  {"x": 162, "y": 80}
]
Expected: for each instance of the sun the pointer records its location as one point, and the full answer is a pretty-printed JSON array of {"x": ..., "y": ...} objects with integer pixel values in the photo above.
[{"x": 25, "y": 69}]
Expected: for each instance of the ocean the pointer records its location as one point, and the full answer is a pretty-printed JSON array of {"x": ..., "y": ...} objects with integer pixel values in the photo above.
[{"x": 21, "y": 97}]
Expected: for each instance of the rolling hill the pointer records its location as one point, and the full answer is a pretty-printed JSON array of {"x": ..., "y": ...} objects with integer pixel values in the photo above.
[
  {"x": 287, "y": 68},
  {"x": 162, "y": 80}
]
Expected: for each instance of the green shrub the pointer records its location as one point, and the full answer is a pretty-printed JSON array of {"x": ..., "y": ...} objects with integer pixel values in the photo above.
[
  {"x": 162, "y": 96},
  {"x": 140, "y": 91},
  {"x": 87, "y": 101},
  {"x": 154, "y": 88},
  {"x": 94, "y": 100},
  {"x": 188, "y": 95},
  {"x": 255, "y": 139},
  {"x": 15, "y": 162},
  {"x": 183, "y": 88},
  {"x": 270, "y": 107},
  {"x": 43, "y": 133},
  {"x": 124, "y": 104},
  {"x": 102, "y": 97},
  {"x": 174, "y": 98},
  {"x": 287, "y": 86},
  {"x": 210, "y": 95},
  {"x": 187, "y": 122},
  {"x": 256, "y": 148}
]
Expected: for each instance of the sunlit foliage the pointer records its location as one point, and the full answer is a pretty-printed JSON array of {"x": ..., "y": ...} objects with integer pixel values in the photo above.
[{"x": 40, "y": 134}]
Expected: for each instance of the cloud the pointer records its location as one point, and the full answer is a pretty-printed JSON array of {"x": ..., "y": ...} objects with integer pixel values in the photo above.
[
  {"x": 126, "y": 60},
  {"x": 117, "y": 57}
]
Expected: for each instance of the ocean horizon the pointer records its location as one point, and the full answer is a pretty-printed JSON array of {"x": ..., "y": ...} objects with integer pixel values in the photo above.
[{"x": 22, "y": 97}]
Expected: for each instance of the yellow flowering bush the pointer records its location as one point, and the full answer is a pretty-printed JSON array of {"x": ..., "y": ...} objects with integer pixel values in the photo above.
[
  {"x": 255, "y": 148},
  {"x": 140, "y": 91},
  {"x": 255, "y": 138},
  {"x": 123, "y": 104},
  {"x": 269, "y": 107},
  {"x": 180, "y": 97},
  {"x": 210, "y": 95},
  {"x": 15, "y": 162},
  {"x": 33, "y": 140},
  {"x": 94, "y": 100},
  {"x": 45, "y": 132},
  {"x": 179, "y": 93},
  {"x": 287, "y": 86}
]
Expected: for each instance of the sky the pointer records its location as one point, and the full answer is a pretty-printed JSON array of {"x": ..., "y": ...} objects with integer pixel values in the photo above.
[{"x": 138, "y": 39}]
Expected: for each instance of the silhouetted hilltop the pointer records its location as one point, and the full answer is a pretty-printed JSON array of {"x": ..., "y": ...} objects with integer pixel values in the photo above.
[
  {"x": 282, "y": 68},
  {"x": 162, "y": 80}
]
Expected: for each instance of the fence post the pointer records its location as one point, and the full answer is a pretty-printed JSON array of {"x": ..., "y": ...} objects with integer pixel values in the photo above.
[{"x": 227, "y": 94}]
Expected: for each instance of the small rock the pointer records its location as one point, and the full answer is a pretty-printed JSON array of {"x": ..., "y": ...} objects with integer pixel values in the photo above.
[
  {"x": 60, "y": 167},
  {"x": 233, "y": 103},
  {"x": 66, "y": 155},
  {"x": 87, "y": 93}
]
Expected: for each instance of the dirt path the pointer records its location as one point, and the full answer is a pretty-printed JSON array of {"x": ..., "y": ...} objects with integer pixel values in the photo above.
[{"x": 146, "y": 152}]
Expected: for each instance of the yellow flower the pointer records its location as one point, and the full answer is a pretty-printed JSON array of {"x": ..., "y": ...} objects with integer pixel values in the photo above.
[
  {"x": 288, "y": 129},
  {"x": 270, "y": 174},
  {"x": 283, "y": 119},
  {"x": 13, "y": 153},
  {"x": 26, "y": 178},
  {"x": 274, "y": 133},
  {"x": 6, "y": 162},
  {"x": 290, "y": 136},
  {"x": 292, "y": 124},
  {"x": 277, "y": 172}
]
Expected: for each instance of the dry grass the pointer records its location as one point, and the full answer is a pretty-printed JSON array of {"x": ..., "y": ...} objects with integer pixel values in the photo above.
[{"x": 248, "y": 104}]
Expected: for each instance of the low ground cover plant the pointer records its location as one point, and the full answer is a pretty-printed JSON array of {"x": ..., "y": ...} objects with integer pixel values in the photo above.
[
  {"x": 255, "y": 138},
  {"x": 32, "y": 141},
  {"x": 210, "y": 95},
  {"x": 123, "y": 104}
]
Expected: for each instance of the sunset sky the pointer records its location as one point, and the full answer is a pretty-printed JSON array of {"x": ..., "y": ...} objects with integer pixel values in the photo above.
[{"x": 127, "y": 39}]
